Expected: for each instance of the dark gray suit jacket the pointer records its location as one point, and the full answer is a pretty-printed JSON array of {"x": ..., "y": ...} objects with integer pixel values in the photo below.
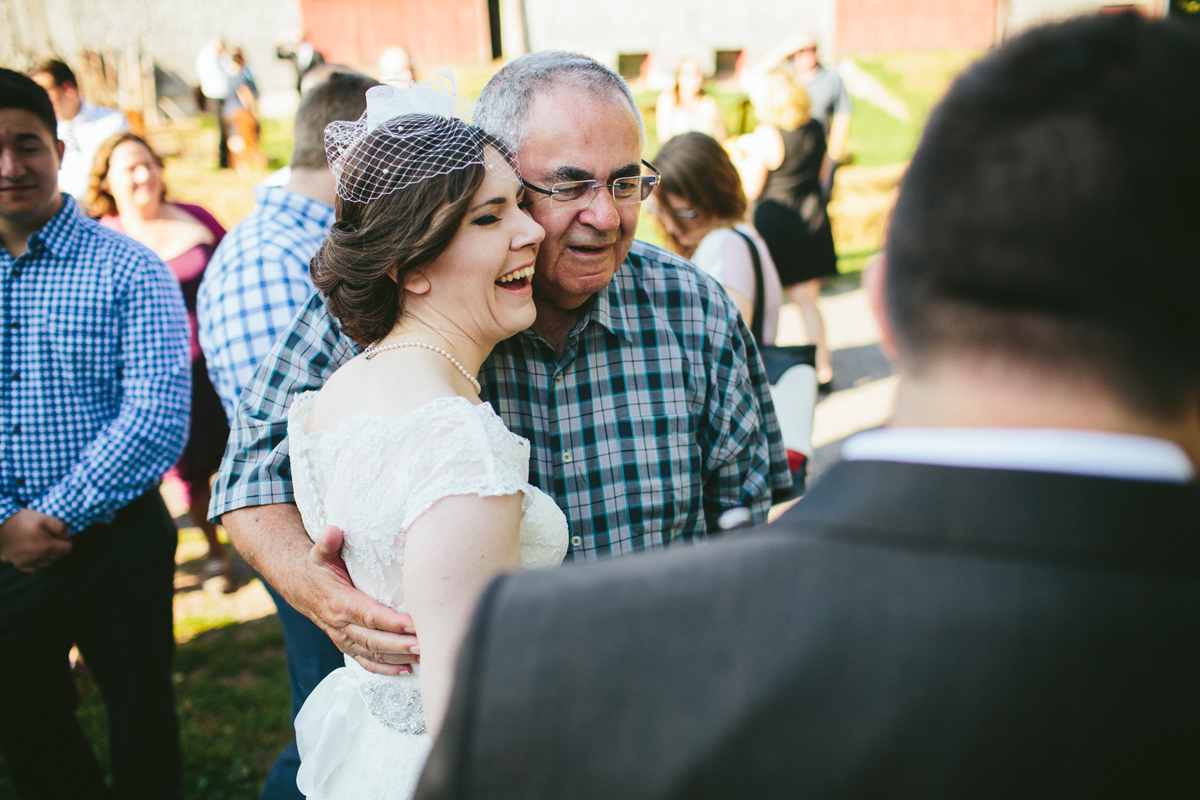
[{"x": 905, "y": 631}]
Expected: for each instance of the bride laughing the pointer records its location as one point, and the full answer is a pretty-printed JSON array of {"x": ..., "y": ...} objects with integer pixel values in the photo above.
[{"x": 429, "y": 266}]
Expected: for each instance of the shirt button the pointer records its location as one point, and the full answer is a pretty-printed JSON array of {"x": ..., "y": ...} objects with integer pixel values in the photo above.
[
  {"x": 576, "y": 541},
  {"x": 566, "y": 457},
  {"x": 15, "y": 326},
  {"x": 16, "y": 376},
  {"x": 16, "y": 428},
  {"x": 558, "y": 378},
  {"x": 20, "y": 481},
  {"x": 16, "y": 272}
]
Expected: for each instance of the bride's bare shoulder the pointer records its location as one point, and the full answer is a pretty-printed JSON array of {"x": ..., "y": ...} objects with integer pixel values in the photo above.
[{"x": 391, "y": 389}]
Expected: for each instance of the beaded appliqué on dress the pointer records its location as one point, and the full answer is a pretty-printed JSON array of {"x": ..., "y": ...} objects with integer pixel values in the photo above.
[{"x": 398, "y": 707}]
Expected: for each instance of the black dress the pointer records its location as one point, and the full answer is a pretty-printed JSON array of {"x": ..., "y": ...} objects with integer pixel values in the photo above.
[{"x": 790, "y": 213}]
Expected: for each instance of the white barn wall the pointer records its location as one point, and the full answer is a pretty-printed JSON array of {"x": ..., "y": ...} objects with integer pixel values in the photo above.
[
  {"x": 173, "y": 31},
  {"x": 1023, "y": 14},
  {"x": 672, "y": 29}
]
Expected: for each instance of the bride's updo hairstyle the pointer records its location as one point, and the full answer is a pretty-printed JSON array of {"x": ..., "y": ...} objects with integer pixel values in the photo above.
[{"x": 404, "y": 186}]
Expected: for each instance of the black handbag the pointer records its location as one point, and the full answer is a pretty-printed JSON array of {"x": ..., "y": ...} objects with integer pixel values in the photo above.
[{"x": 776, "y": 359}]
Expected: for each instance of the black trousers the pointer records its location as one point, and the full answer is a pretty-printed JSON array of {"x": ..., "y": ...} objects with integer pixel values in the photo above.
[
  {"x": 111, "y": 596},
  {"x": 218, "y": 106}
]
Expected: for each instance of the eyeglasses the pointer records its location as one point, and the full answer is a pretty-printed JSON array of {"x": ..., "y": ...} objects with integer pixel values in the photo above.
[
  {"x": 580, "y": 194},
  {"x": 685, "y": 215}
]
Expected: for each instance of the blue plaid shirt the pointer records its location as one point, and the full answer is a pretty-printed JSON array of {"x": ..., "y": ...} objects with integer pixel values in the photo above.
[
  {"x": 95, "y": 375},
  {"x": 255, "y": 283},
  {"x": 655, "y": 419}
]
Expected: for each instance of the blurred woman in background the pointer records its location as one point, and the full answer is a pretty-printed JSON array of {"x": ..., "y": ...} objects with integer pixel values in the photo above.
[
  {"x": 126, "y": 192},
  {"x": 700, "y": 206},
  {"x": 687, "y": 107},
  {"x": 780, "y": 164}
]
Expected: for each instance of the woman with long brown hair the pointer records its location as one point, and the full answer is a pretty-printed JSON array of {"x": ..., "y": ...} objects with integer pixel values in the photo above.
[{"x": 701, "y": 208}]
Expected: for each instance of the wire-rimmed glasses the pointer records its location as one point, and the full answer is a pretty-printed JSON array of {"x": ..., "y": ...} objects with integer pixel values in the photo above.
[
  {"x": 683, "y": 215},
  {"x": 580, "y": 194}
]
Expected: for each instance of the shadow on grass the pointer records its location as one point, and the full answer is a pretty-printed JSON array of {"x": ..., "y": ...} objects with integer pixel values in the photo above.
[{"x": 231, "y": 690}]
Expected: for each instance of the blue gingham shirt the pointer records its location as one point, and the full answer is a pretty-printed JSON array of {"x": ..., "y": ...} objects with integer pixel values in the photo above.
[
  {"x": 255, "y": 283},
  {"x": 655, "y": 419},
  {"x": 95, "y": 375}
]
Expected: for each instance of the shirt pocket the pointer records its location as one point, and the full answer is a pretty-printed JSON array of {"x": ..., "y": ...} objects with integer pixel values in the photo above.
[
  {"x": 84, "y": 344},
  {"x": 658, "y": 469}
]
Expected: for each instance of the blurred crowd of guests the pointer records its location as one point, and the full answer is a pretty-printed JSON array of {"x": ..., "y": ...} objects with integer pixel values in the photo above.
[{"x": 785, "y": 169}]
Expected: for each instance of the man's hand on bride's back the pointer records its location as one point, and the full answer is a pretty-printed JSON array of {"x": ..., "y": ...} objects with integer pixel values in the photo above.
[
  {"x": 312, "y": 577},
  {"x": 379, "y": 638}
]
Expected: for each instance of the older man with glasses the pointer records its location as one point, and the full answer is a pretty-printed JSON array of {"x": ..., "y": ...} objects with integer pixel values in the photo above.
[{"x": 639, "y": 387}]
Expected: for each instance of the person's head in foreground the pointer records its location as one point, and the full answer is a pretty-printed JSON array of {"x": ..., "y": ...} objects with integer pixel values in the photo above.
[
  {"x": 1041, "y": 266},
  {"x": 575, "y": 128},
  {"x": 431, "y": 224},
  {"x": 30, "y": 154},
  {"x": 700, "y": 190}
]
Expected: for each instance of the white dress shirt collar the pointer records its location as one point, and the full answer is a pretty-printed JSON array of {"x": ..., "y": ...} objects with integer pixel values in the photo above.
[{"x": 1073, "y": 452}]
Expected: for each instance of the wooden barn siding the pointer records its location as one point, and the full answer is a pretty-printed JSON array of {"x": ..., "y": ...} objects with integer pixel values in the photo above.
[
  {"x": 865, "y": 26},
  {"x": 436, "y": 32}
]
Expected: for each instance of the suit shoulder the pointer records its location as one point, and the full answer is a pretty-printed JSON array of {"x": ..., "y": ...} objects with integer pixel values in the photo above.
[{"x": 678, "y": 578}]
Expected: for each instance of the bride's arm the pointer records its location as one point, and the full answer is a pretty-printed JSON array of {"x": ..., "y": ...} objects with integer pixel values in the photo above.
[{"x": 451, "y": 552}]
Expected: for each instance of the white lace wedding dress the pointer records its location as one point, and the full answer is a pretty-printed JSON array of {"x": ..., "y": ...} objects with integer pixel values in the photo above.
[{"x": 359, "y": 734}]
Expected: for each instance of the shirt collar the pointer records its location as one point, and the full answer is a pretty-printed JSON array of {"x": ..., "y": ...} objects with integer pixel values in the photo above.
[
  {"x": 1098, "y": 454},
  {"x": 281, "y": 199},
  {"x": 610, "y": 310},
  {"x": 607, "y": 309},
  {"x": 60, "y": 231}
]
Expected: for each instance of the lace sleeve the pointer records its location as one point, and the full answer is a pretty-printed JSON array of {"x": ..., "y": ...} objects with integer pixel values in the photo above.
[{"x": 373, "y": 477}]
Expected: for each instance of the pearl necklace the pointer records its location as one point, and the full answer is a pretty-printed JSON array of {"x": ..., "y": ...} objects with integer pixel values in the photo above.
[{"x": 374, "y": 349}]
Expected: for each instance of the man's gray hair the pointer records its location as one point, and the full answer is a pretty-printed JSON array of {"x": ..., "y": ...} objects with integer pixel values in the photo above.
[{"x": 503, "y": 106}]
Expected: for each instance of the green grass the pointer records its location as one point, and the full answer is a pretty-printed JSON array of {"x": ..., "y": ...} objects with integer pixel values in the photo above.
[
  {"x": 275, "y": 139},
  {"x": 918, "y": 79},
  {"x": 234, "y": 708},
  {"x": 276, "y": 142},
  {"x": 876, "y": 137}
]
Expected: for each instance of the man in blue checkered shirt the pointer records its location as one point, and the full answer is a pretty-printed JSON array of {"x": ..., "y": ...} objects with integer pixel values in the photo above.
[
  {"x": 258, "y": 277},
  {"x": 639, "y": 387},
  {"x": 95, "y": 390}
]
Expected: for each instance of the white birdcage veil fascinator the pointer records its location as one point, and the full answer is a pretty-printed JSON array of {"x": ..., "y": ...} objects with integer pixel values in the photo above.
[{"x": 407, "y": 134}]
